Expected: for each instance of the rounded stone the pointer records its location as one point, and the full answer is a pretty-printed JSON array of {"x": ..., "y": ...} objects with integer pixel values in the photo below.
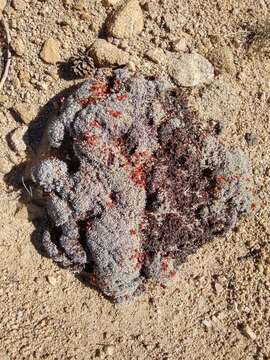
[
  {"x": 50, "y": 52},
  {"x": 127, "y": 21},
  {"x": 107, "y": 54},
  {"x": 191, "y": 70},
  {"x": 17, "y": 140}
]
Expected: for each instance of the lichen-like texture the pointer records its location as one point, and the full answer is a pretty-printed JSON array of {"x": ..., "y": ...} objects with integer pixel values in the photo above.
[{"x": 134, "y": 184}]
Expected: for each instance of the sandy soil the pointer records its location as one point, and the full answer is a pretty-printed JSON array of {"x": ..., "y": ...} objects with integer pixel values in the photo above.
[{"x": 218, "y": 308}]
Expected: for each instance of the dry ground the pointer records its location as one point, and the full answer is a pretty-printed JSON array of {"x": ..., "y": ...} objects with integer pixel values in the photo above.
[{"x": 219, "y": 307}]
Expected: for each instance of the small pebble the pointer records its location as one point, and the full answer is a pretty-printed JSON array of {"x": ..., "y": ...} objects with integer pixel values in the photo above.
[
  {"x": 19, "y": 314},
  {"x": 18, "y": 4},
  {"x": 124, "y": 44},
  {"x": 50, "y": 51},
  {"x": 18, "y": 47},
  {"x": 85, "y": 16},
  {"x": 5, "y": 165},
  {"x": 248, "y": 332},
  {"x": 127, "y": 21},
  {"x": 191, "y": 70},
  {"x": 3, "y": 99},
  {"x": 218, "y": 288},
  {"x": 157, "y": 55},
  {"x": 170, "y": 22},
  {"x": 111, "y": 2},
  {"x": 17, "y": 140},
  {"x": 259, "y": 267},
  {"x": 183, "y": 43},
  {"x": 207, "y": 323},
  {"x": 107, "y": 54},
  {"x": 131, "y": 66},
  {"x": 24, "y": 77},
  {"x": 180, "y": 45},
  {"x": 52, "y": 280},
  {"x": 109, "y": 350},
  {"x": 26, "y": 112},
  {"x": 3, "y": 4}
]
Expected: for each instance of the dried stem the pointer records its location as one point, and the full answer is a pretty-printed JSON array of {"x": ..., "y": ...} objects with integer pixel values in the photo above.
[{"x": 8, "y": 56}]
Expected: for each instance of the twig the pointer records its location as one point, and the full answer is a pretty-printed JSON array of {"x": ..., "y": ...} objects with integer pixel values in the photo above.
[
  {"x": 26, "y": 188},
  {"x": 8, "y": 59}
]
